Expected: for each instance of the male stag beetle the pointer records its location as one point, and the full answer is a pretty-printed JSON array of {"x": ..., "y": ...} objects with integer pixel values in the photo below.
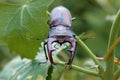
[{"x": 60, "y": 31}]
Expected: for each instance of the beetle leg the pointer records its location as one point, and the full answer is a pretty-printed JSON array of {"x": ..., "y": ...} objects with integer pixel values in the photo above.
[
  {"x": 50, "y": 50},
  {"x": 45, "y": 54},
  {"x": 72, "y": 50}
]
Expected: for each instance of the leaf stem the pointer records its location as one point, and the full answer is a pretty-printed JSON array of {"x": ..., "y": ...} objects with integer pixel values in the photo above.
[
  {"x": 111, "y": 48},
  {"x": 117, "y": 73},
  {"x": 90, "y": 53},
  {"x": 80, "y": 69},
  {"x": 109, "y": 74}
]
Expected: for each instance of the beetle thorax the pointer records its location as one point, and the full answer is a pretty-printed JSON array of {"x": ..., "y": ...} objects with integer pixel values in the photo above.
[{"x": 60, "y": 31}]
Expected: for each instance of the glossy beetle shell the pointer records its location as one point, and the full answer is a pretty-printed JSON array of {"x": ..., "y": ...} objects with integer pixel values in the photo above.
[
  {"x": 60, "y": 16},
  {"x": 61, "y": 31}
]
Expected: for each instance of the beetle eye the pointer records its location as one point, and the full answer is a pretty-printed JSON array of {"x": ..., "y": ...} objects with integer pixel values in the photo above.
[
  {"x": 73, "y": 18},
  {"x": 55, "y": 46}
]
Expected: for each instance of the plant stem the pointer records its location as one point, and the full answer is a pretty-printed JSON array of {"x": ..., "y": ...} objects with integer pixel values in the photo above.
[
  {"x": 109, "y": 74},
  {"x": 90, "y": 53},
  {"x": 117, "y": 74},
  {"x": 80, "y": 69},
  {"x": 111, "y": 48}
]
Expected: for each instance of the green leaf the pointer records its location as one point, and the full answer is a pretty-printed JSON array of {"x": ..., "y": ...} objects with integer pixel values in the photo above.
[
  {"x": 31, "y": 71},
  {"x": 10, "y": 68},
  {"x": 25, "y": 69},
  {"x": 110, "y": 56},
  {"x": 22, "y": 24}
]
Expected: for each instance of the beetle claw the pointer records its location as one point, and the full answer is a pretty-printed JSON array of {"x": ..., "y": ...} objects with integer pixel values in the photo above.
[
  {"x": 50, "y": 50},
  {"x": 72, "y": 50}
]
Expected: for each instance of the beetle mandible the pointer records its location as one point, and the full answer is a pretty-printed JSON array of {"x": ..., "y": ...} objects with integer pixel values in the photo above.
[{"x": 60, "y": 31}]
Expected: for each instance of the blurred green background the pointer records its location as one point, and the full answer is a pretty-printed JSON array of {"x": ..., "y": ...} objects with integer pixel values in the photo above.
[{"x": 94, "y": 18}]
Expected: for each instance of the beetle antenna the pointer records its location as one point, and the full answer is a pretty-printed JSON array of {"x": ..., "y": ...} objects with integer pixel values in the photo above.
[{"x": 73, "y": 18}]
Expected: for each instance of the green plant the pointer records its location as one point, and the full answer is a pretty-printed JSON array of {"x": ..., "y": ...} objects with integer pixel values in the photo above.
[{"x": 23, "y": 22}]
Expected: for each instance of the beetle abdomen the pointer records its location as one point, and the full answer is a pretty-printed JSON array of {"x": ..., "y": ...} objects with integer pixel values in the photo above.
[{"x": 60, "y": 16}]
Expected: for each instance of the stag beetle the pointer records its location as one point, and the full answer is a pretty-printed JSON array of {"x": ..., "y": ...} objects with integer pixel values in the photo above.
[{"x": 60, "y": 31}]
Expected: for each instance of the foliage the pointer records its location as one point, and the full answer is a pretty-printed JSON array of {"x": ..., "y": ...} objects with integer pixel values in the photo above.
[
  {"x": 29, "y": 69},
  {"x": 22, "y": 22}
]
